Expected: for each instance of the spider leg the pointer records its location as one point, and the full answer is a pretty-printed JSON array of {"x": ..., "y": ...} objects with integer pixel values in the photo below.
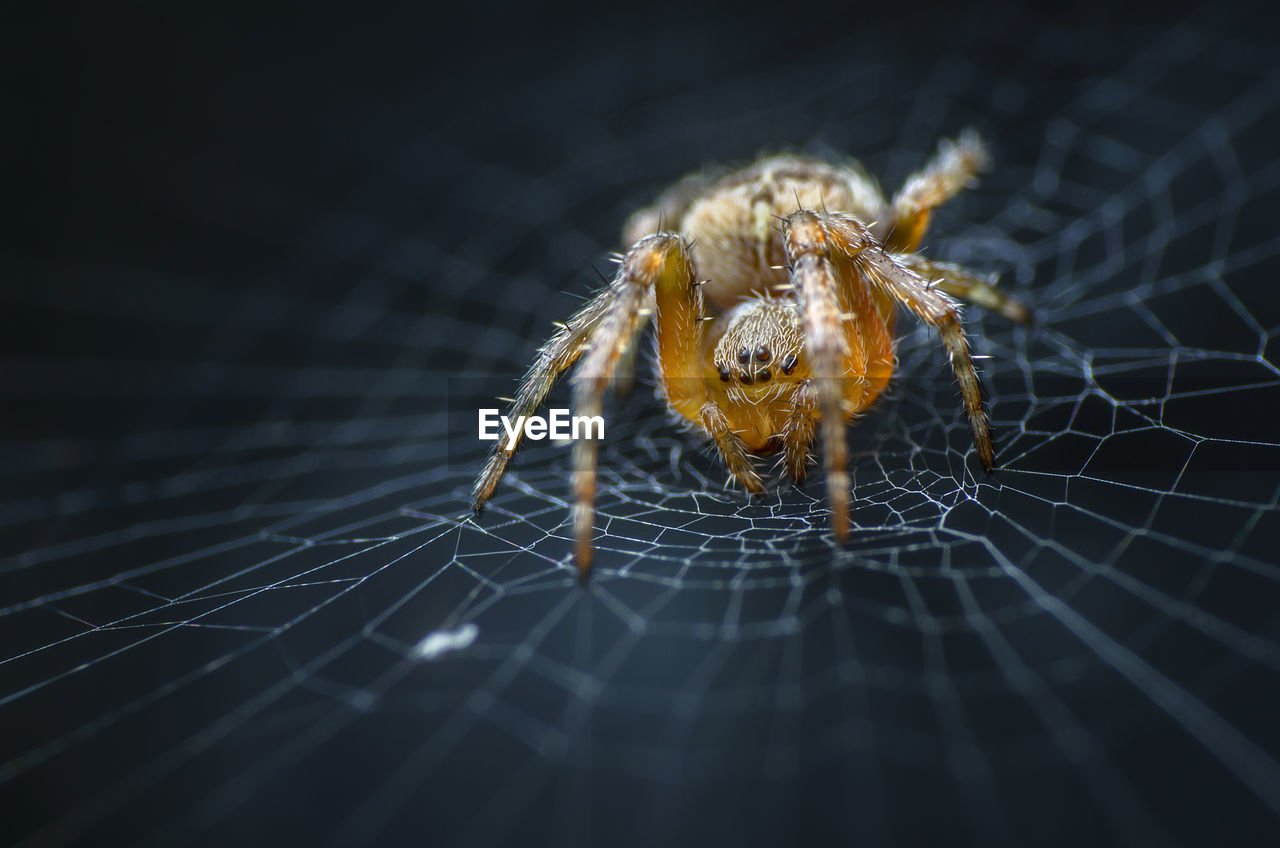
[
  {"x": 624, "y": 379},
  {"x": 655, "y": 279},
  {"x": 559, "y": 353},
  {"x": 961, "y": 282},
  {"x": 733, "y": 452},
  {"x": 929, "y": 305},
  {"x": 658, "y": 263},
  {"x": 953, "y": 168},
  {"x": 679, "y": 310},
  {"x": 799, "y": 432},
  {"x": 826, "y": 346}
]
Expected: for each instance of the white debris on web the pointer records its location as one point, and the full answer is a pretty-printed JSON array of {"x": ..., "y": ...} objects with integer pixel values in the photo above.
[
  {"x": 1115, "y": 593},
  {"x": 440, "y": 642}
]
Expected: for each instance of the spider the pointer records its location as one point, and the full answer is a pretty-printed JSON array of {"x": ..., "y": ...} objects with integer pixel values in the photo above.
[{"x": 773, "y": 300}]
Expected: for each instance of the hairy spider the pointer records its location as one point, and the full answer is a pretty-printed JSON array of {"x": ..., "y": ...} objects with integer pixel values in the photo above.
[{"x": 773, "y": 299}]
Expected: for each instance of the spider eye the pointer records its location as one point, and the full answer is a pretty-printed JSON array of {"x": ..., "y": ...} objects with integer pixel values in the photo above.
[
  {"x": 744, "y": 356},
  {"x": 724, "y": 374},
  {"x": 764, "y": 376},
  {"x": 789, "y": 364},
  {"x": 745, "y": 378},
  {"x": 763, "y": 353}
]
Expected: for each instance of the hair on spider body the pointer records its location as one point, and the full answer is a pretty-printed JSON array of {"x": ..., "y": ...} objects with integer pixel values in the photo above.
[
  {"x": 746, "y": 339},
  {"x": 773, "y": 292}
]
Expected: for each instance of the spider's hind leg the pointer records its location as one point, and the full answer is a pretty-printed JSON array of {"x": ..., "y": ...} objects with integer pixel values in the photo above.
[
  {"x": 969, "y": 285},
  {"x": 953, "y": 168}
]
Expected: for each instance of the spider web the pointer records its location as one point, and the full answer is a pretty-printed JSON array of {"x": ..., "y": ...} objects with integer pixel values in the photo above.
[{"x": 243, "y": 599}]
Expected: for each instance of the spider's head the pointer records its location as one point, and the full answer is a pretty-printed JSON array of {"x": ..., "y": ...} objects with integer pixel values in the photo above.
[{"x": 762, "y": 348}]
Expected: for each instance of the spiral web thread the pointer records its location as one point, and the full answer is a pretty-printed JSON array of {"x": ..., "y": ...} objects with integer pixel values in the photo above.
[{"x": 225, "y": 626}]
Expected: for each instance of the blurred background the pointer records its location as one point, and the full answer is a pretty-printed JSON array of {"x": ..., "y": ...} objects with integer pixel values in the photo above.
[{"x": 261, "y": 266}]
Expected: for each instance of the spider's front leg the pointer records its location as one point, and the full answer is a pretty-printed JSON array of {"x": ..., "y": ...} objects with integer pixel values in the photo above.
[
  {"x": 659, "y": 263},
  {"x": 929, "y": 305},
  {"x": 558, "y": 354},
  {"x": 598, "y": 338},
  {"x": 828, "y": 351}
]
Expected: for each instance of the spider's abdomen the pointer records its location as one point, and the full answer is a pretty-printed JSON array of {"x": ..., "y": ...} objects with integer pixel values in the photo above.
[{"x": 734, "y": 229}]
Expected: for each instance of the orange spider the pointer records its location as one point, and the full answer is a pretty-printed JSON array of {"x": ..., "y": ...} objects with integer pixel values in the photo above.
[{"x": 765, "y": 331}]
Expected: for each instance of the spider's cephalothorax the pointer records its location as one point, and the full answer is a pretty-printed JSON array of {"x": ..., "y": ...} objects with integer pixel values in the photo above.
[{"x": 773, "y": 297}]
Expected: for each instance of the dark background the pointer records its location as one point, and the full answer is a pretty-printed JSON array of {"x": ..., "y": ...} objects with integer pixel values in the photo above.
[{"x": 255, "y": 261}]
